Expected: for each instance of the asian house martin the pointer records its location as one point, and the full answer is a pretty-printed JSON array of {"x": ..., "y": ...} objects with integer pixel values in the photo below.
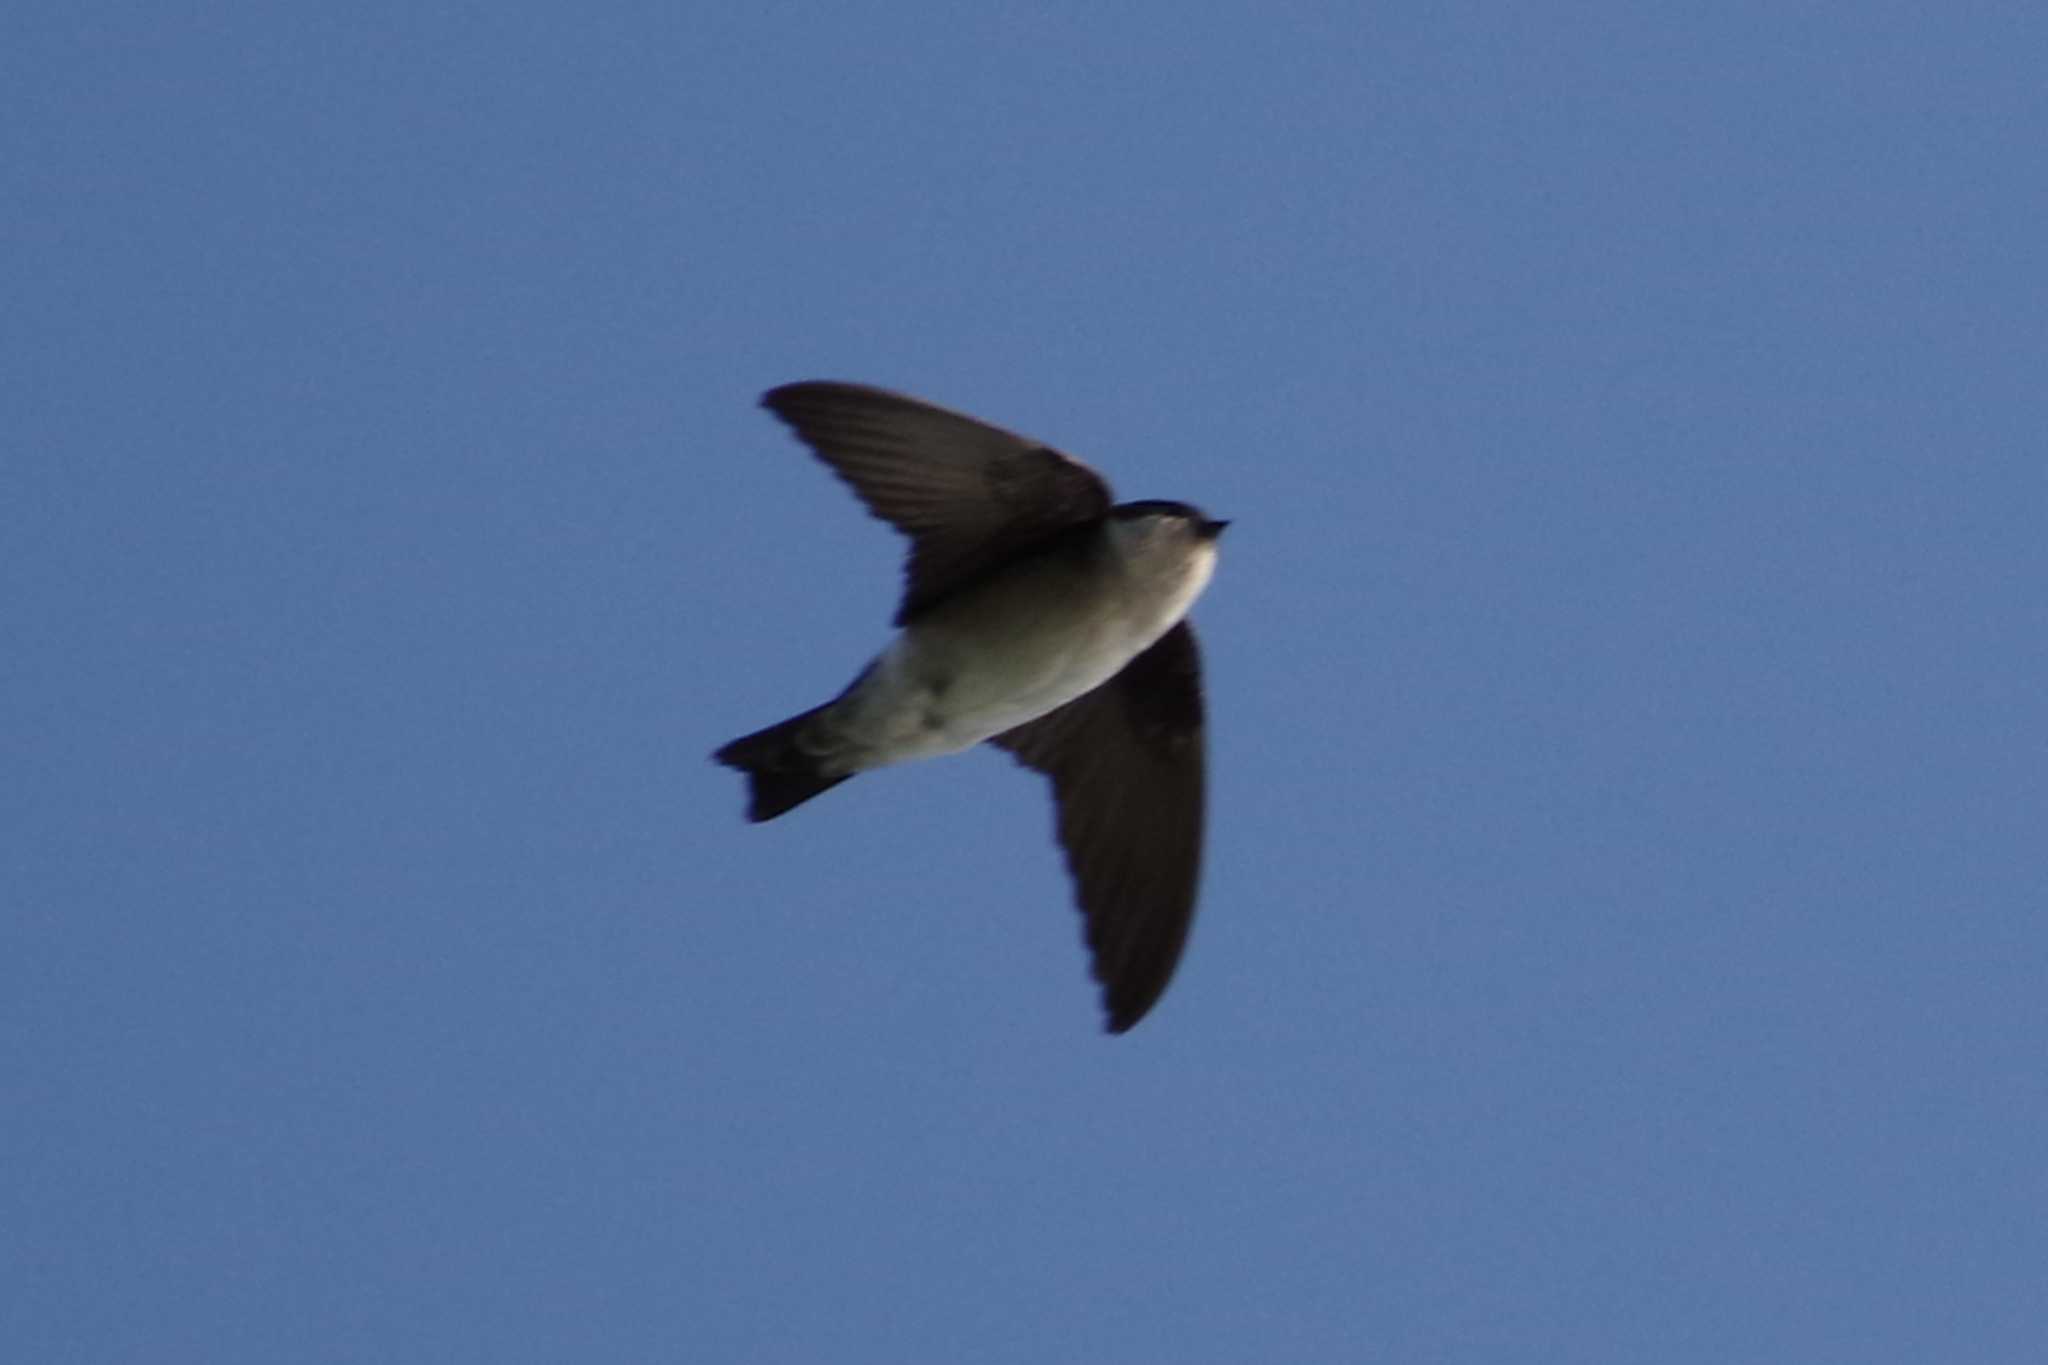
[{"x": 1042, "y": 617}]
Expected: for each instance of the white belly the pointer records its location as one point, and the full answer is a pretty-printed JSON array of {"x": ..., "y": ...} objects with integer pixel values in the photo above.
[
  {"x": 938, "y": 696},
  {"x": 968, "y": 673}
]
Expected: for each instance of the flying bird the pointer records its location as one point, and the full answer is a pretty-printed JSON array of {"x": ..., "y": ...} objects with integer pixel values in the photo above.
[{"x": 1040, "y": 616}]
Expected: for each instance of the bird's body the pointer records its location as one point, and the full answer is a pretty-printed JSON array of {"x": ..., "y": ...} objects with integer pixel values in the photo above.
[
  {"x": 1040, "y": 618},
  {"x": 1008, "y": 650}
]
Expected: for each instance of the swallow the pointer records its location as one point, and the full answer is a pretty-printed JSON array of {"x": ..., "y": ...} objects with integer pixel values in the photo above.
[{"x": 1038, "y": 615}]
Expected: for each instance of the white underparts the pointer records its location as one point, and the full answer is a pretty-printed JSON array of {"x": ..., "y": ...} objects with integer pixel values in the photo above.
[{"x": 1009, "y": 652}]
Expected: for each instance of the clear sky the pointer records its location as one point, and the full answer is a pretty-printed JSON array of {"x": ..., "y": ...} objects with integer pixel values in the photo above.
[{"x": 1623, "y": 932}]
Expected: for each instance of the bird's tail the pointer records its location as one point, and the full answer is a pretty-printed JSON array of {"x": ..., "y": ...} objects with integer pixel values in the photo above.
[{"x": 781, "y": 773}]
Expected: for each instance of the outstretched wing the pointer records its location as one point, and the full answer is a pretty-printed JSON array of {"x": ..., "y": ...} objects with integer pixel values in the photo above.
[
  {"x": 1126, "y": 763},
  {"x": 968, "y": 495}
]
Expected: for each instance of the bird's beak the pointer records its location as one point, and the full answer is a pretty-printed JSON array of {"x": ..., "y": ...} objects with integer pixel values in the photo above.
[{"x": 1213, "y": 529}]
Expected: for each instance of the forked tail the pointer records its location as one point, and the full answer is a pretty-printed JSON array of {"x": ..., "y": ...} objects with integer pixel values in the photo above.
[{"x": 781, "y": 774}]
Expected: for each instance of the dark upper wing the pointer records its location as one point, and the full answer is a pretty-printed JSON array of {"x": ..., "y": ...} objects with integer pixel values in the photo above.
[
  {"x": 1126, "y": 767},
  {"x": 968, "y": 495}
]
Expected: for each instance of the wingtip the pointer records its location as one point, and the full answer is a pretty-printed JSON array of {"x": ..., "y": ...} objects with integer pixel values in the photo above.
[
  {"x": 1121, "y": 1016},
  {"x": 797, "y": 390}
]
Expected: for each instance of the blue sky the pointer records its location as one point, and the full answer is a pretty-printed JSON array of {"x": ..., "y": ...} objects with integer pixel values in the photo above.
[{"x": 1622, "y": 936}]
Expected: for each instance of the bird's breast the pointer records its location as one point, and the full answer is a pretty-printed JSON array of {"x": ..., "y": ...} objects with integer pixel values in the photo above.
[{"x": 1001, "y": 656}]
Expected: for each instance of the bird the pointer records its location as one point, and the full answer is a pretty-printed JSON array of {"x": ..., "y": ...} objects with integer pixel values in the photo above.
[{"x": 1042, "y": 617}]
